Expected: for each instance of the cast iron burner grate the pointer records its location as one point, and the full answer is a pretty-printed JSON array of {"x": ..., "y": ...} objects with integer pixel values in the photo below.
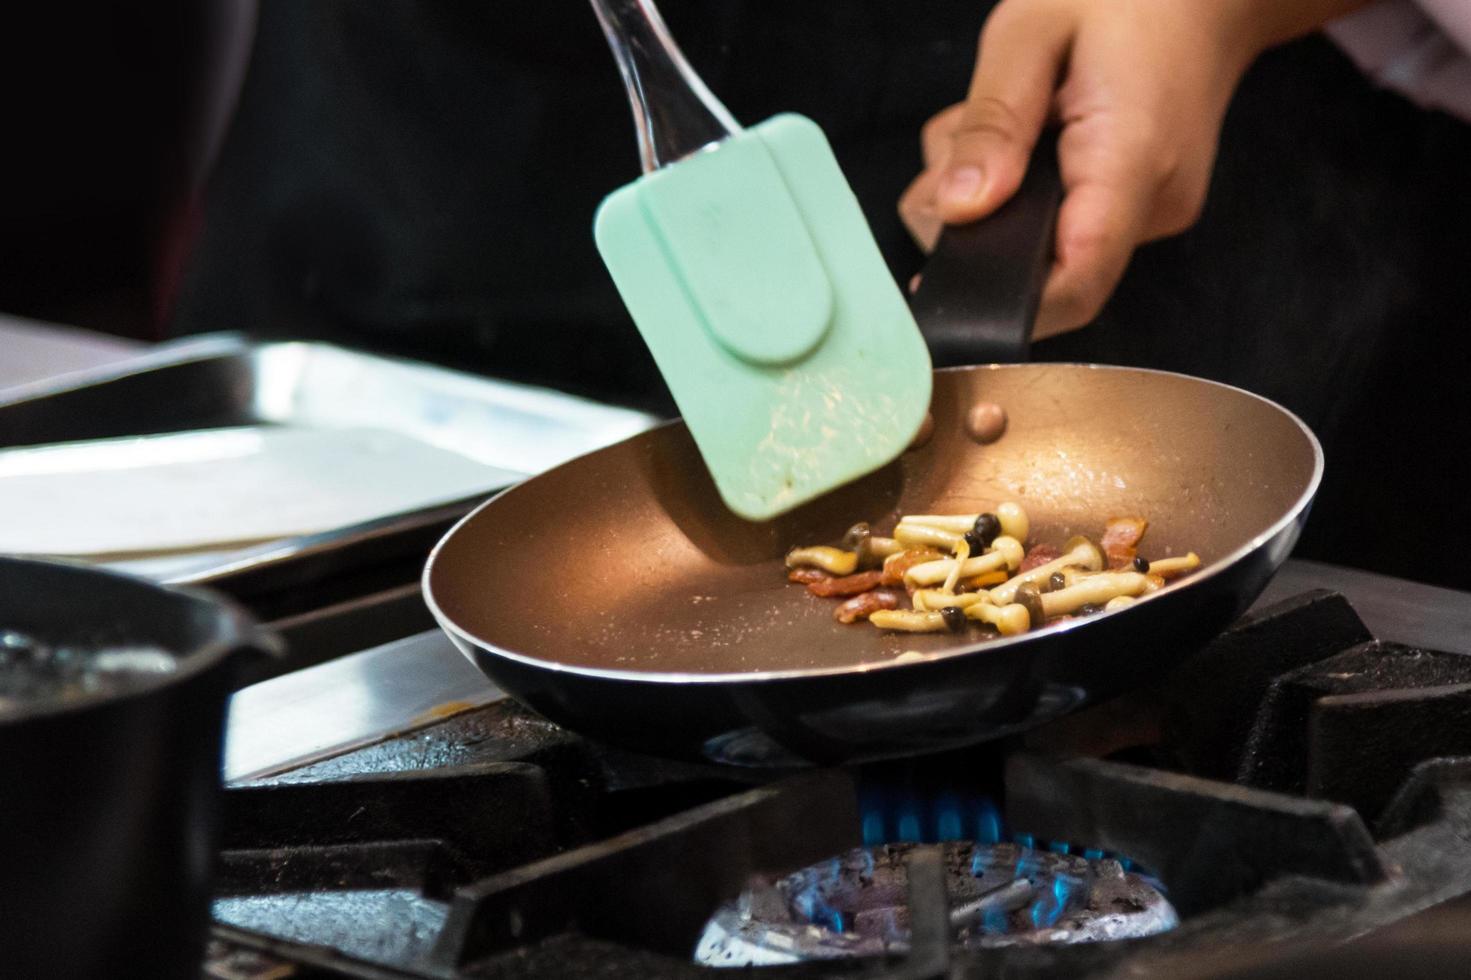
[{"x": 1295, "y": 782}]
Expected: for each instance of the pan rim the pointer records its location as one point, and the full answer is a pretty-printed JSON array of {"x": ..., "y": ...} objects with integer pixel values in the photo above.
[{"x": 1206, "y": 573}]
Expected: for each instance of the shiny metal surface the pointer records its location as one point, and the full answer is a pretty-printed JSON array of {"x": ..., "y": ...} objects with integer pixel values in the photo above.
[
  {"x": 226, "y": 380},
  {"x": 671, "y": 626},
  {"x": 36, "y": 353},
  {"x": 297, "y": 718}
]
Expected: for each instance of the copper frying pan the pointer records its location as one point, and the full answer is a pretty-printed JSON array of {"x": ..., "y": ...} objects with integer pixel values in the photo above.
[{"x": 617, "y": 596}]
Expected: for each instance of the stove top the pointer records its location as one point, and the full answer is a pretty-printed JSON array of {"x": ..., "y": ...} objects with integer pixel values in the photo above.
[{"x": 1297, "y": 785}]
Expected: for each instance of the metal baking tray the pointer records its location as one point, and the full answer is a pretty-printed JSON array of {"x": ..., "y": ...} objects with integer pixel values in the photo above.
[{"x": 227, "y": 380}]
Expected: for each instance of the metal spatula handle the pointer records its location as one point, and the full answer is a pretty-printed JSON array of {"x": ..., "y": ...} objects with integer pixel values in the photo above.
[
  {"x": 978, "y": 293},
  {"x": 673, "y": 111}
]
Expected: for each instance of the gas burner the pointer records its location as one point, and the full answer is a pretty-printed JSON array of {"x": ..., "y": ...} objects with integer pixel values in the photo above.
[{"x": 999, "y": 895}]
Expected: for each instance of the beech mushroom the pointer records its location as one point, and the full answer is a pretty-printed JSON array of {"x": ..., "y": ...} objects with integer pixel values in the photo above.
[
  {"x": 928, "y": 599},
  {"x": 1005, "y": 553},
  {"x": 909, "y": 620},
  {"x": 1008, "y": 620},
  {"x": 870, "y": 548},
  {"x": 834, "y": 560},
  {"x": 1078, "y": 552},
  {"x": 1168, "y": 568},
  {"x": 1014, "y": 522},
  {"x": 1092, "y": 590},
  {"x": 925, "y": 536}
]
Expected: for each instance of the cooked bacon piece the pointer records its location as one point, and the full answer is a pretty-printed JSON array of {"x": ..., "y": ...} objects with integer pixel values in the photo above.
[
  {"x": 847, "y": 585},
  {"x": 982, "y": 581},
  {"x": 1037, "y": 555},
  {"x": 807, "y": 576},
  {"x": 1121, "y": 539},
  {"x": 864, "y": 605},
  {"x": 896, "y": 565}
]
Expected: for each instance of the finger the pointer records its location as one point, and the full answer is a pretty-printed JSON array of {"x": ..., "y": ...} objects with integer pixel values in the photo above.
[
  {"x": 1021, "y": 55},
  {"x": 934, "y": 136},
  {"x": 1098, "y": 226},
  {"x": 917, "y": 210}
]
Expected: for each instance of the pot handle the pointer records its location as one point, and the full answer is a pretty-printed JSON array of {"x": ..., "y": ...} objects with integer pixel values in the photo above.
[
  {"x": 257, "y": 655},
  {"x": 978, "y": 292}
]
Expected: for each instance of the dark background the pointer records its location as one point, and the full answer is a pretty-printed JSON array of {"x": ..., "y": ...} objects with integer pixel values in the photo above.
[{"x": 420, "y": 178}]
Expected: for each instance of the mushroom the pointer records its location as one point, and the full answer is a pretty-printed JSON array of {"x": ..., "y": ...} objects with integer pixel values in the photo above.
[
  {"x": 1014, "y": 523},
  {"x": 1078, "y": 552},
  {"x": 1072, "y": 576},
  {"x": 1168, "y": 568},
  {"x": 912, "y": 535},
  {"x": 869, "y": 547},
  {"x": 1119, "y": 602},
  {"x": 956, "y": 524},
  {"x": 909, "y": 621},
  {"x": 1029, "y": 597},
  {"x": 834, "y": 560},
  {"x": 1005, "y": 553},
  {"x": 1009, "y": 620},
  {"x": 1092, "y": 590},
  {"x": 1013, "y": 520},
  {"x": 962, "y": 552},
  {"x": 932, "y": 599}
]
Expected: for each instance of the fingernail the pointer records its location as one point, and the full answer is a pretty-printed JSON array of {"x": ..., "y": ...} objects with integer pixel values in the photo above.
[{"x": 962, "y": 185}]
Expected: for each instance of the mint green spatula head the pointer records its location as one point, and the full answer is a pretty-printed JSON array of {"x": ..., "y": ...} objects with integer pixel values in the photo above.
[{"x": 752, "y": 275}]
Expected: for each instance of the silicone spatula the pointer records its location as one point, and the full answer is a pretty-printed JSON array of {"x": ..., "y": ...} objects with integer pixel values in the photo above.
[{"x": 750, "y": 271}]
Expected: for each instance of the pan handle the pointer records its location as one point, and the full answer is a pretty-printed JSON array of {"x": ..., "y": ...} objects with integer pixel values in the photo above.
[{"x": 978, "y": 292}]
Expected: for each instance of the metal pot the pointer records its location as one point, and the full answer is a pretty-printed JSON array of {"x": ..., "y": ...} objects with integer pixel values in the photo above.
[{"x": 109, "y": 801}]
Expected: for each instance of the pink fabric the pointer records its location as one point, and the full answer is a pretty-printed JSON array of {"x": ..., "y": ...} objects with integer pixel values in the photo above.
[{"x": 1421, "y": 48}]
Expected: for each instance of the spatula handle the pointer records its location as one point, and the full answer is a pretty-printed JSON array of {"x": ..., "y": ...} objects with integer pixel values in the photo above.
[
  {"x": 978, "y": 293},
  {"x": 673, "y": 111}
]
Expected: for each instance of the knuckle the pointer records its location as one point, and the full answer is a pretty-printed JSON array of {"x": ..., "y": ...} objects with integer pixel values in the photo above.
[
  {"x": 1181, "y": 204},
  {"x": 942, "y": 122},
  {"x": 989, "y": 119}
]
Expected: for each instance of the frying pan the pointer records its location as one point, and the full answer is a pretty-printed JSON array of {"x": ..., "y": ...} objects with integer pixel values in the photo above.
[{"x": 617, "y": 596}]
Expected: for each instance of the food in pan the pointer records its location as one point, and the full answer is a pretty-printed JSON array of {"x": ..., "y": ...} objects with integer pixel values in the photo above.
[{"x": 944, "y": 572}]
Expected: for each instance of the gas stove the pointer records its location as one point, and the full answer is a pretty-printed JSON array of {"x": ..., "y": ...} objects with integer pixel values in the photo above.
[{"x": 1298, "y": 787}]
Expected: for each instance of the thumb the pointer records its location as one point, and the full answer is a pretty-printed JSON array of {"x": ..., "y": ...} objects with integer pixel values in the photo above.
[{"x": 1021, "y": 54}]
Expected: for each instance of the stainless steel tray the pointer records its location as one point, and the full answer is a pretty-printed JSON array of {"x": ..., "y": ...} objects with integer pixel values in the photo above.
[{"x": 226, "y": 380}]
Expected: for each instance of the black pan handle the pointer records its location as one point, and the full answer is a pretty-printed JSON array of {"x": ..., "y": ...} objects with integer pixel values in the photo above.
[{"x": 978, "y": 293}]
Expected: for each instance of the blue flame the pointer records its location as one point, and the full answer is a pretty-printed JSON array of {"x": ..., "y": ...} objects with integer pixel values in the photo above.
[
  {"x": 1059, "y": 846},
  {"x": 994, "y": 921},
  {"x": 1048, "y": 909},
  {"x": 892, "y": 814},
  {"x": 948, "y": 818},
  {"x": 812, "y": 907},
  {"x": 988, "y": 823},
  {"x": 1093, "y": 854},
  {"x": 908, "y": 830},
  {"x": 1025, "y": 840},
  {"x": 873, "y": 828},
  {"x": 980, "y": 862}
]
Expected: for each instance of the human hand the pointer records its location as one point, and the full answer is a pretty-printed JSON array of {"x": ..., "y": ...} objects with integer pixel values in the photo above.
[{"x": 1140, "y": 88}]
